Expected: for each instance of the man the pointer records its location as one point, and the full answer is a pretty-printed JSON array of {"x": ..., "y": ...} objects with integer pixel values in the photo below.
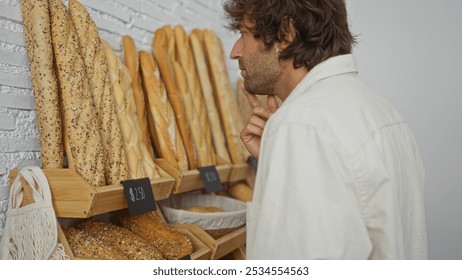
[{"x": 339, "y": 173}]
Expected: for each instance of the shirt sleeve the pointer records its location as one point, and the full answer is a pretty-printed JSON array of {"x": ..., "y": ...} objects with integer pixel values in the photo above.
[{"x": 305, "y": 205}]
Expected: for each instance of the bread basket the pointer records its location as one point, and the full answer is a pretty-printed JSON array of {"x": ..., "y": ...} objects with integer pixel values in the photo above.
[{"x": 217, "y": 224}]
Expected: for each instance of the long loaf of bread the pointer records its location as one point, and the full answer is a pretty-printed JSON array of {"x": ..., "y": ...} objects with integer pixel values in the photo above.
[
  {"x": 133, "y": 65},
  {"x": 204, "y": 155},
  {"x": 160, "y": 42},
  {"x": 130, "y": 244},
  {"x": 161, "y": 119},
  {"x": 83, "y": 147},
  {"x": 219, "y": 141},
  {"x": 100, "y": 85},
  {"x": 226, "y": 100},
  {"x": 188, "y": 84},
  {"x": 140, "y": 162},
  {"x": 37, "y": 30},
  {"x": 87, "y": 246},
  {"x": 173, "y": 245}
]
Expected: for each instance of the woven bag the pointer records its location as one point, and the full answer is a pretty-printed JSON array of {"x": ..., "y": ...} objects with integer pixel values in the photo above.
[{"x": 31, "y": 231}]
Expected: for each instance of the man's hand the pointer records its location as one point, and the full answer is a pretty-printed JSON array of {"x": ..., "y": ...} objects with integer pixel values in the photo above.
[{"x": 252, "y": 132}]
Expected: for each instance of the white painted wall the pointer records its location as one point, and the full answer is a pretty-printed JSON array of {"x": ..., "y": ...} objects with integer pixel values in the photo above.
[{"x": 409, "y": 51}]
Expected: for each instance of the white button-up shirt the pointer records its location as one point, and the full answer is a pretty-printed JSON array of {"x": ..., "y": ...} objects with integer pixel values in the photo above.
[{"x": 339, "y": 175}]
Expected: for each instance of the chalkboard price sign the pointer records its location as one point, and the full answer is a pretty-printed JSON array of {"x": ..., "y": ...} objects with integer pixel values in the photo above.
[
  {"x": 139, "y": 195},
  {"x": 211, "y": 179}
]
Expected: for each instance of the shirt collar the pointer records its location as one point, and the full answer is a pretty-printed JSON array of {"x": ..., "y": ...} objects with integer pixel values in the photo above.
[{"x": 333, "y": 66}]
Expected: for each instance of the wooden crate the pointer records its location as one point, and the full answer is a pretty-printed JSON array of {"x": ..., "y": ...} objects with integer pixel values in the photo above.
[
  {"x": 220, "y": 247},
  {"x": 73, "y": 197},
  {"x": 191, "y": 180}
]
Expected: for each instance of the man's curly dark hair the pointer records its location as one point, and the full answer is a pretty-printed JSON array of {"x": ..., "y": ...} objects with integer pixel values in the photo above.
[{"x": 321, "y": 27}]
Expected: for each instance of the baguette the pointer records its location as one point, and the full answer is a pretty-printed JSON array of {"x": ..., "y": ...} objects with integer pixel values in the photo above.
[
  {"x": 100, "y": 85},
  {"x": 130, "y": 244},
  {"x": 87, "y": 246},
  {"x": 165, "y": 66},
  {"x": 241, "y": 191},
  {"x": 172, "y": 244},
  {"x": 83, "y": 146},
  {"x": 219, "y": 142},
  {"x": 224, "y": 95},
  {"x": 161, "y": 119},
  {"x": 37, "y": 30},
  {"x": 132, "y": 63},
  {"x": 195, "y": 106},
  {"x": 204, "y": 155},
  {"x": 140, "y": 162}
]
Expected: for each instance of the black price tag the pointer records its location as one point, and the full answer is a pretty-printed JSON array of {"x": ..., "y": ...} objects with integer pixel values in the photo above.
[
  {"x": 140, "y": 198},
  {"x": 211, "y": 179},
  {"x": 253, "y": 162}
]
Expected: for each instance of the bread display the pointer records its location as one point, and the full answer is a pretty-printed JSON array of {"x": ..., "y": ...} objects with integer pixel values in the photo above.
[
  {"x": 100, "y": 86},
  {"x": 133, "y": 65},
  {"x": 132, "y": 246},
  {"x": 219, "y": 142},
  {"x": 164, "y": 62},
  {"x": 172, "y": 244},
  {"x": 110, "y": 118},
  {"x": 81, "y": 128},
  {"x": 197, "y": 112},
  {"x": 37, "y": 31},
  {"x": 224, "y": 96}
]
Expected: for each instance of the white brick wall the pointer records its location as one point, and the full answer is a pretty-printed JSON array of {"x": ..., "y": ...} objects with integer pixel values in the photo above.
[{"x": 139, "y": 18}]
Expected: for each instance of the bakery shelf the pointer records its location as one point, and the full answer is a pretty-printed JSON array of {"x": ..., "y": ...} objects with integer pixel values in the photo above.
[
  {"x": 220, "y": 247},
  {"x": 73, "y": 197},
  {"x": 240, "y": 172},
  {"x": 191, "y": 180}
]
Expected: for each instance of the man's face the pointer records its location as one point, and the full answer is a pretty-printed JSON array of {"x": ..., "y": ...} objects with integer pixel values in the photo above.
[{"x": 260, "y": 68}]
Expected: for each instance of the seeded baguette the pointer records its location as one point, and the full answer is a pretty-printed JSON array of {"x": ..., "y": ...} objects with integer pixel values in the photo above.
[
  {"x": 100, "y": 85},
  {"x": 37, "y": 30},
  {"x": 140, "y": 162},
  {"x": 200, "y": 58},
  {"x": 130, "y": 244},
  {"x": 87, "y": 246},
  {"x": 172, "y": 244},
  {"x": 82, "y": 130}
]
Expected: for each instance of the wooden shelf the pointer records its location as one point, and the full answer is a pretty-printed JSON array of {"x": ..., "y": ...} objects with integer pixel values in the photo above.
[
  {"x": 191, "y": 180},
  {"x": 241, "y": 172},
  {"x": 74, "y": 198}
]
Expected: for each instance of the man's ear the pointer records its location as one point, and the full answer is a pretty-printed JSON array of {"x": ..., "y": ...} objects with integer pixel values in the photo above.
[{"x": 287, "y": 33}]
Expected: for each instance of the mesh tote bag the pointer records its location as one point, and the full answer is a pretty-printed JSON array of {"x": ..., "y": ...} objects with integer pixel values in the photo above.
[{"x": 31, "y": 231}]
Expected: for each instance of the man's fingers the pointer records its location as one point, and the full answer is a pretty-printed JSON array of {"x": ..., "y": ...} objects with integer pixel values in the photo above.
[{"x": 250, "y": 131}]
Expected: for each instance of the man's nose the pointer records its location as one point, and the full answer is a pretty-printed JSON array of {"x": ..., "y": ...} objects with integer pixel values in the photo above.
[{"x": 236, "y": 51}]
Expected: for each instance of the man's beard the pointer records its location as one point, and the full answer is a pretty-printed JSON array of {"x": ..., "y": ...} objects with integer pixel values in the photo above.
[{"x": 262, "y": 72}]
